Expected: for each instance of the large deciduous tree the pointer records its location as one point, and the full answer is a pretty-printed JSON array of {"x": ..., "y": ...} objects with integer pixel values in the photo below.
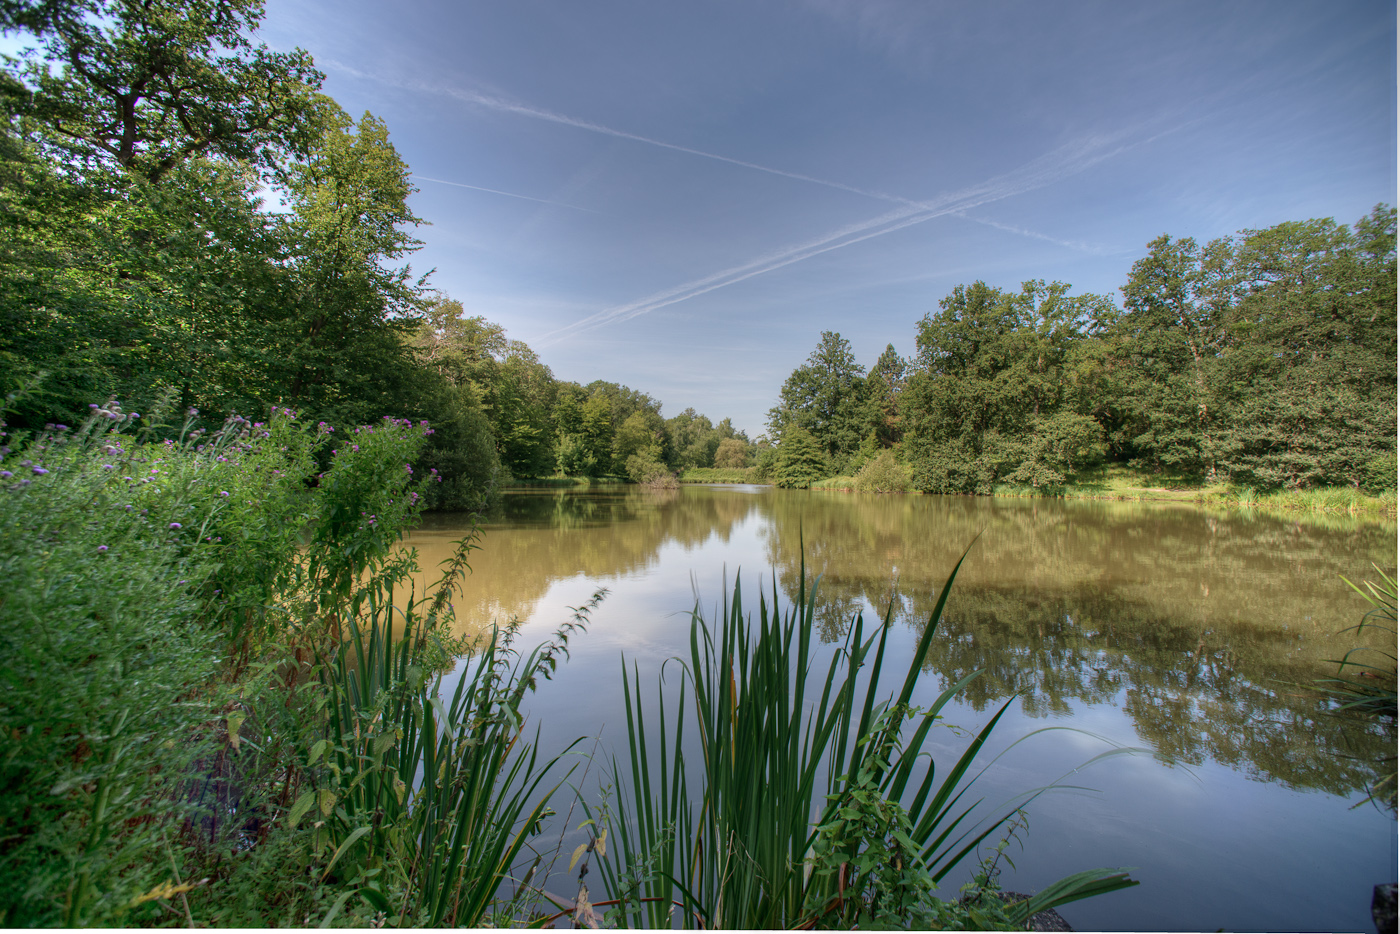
[
  {"x": 149, "y": 84},
  {"x": 826, "y": 398}
]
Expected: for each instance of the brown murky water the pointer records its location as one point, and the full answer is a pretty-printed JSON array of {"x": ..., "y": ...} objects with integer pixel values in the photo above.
[{"x": 1188, "y": 634}]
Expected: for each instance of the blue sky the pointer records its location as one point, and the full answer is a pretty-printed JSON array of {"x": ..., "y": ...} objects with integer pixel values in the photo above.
[{"x": 681, "y": 197}]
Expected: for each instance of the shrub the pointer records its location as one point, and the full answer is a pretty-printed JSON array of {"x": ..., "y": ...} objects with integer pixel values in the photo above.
[{"x": 885, "y": 474}]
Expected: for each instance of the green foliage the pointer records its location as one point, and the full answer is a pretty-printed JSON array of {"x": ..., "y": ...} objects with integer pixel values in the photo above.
[
  {"x": 150, "y": 85},
  {"x": 799, "y": 461},
  {"x": 646, "y": 467},
  {"x": 732, "y": 453},
  {"x": 1000, "y": 392},
  {"x": 100, "y": 634},
  {"x": 825, "y": 397},
  {"x": 1264, "y": 359},
  {"x": 885, "y": 474}
]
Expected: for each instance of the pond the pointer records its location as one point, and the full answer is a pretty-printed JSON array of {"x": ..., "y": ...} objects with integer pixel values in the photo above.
[{"x": 1190, "y": 636}]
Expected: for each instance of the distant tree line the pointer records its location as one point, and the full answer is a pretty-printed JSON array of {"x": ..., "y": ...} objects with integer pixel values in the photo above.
[
  {"x": 1267, "y": 359},
  {"x": 186, "y": 216}
]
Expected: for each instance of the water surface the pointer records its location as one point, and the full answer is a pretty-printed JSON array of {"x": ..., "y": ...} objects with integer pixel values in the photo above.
[{"x": 1189, "y": 634}]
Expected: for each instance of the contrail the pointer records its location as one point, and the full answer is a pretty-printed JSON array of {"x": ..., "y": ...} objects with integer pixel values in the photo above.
[
  {"x": 1067, "y": 160},
  {"x": 497, "y": 191},
  {"x": 1053, "y": 166},
  {"x": 502, "y": 105},
  {"x": 524, "y": 110}
]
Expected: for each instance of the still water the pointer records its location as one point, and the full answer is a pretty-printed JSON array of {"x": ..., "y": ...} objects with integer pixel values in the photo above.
[{"x": 1185, "y": 634}]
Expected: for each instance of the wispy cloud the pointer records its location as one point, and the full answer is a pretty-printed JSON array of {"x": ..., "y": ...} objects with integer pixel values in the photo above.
[
  {"x": 502, "y": 104},
  {"x": 497, "y": 191},
  {"x": 1067, "y": 160},
  {"x": 1078, "y": 245}
]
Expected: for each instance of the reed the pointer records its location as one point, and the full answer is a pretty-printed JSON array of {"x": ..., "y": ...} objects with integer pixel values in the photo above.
[
  {"x": 1365, "y": 682},
  {"x": 787, "y": 753},
  {"x": 426, "y": 806}
]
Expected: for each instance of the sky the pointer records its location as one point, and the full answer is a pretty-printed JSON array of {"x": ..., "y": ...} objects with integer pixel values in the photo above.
[{"x": 681, "y": 197}]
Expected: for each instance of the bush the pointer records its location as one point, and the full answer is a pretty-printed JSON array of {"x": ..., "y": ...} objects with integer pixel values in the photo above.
[
  {"x": 646, "y": 467},
  {"x": 885, "y": 474},
  {"x": 137, "y": 574}
]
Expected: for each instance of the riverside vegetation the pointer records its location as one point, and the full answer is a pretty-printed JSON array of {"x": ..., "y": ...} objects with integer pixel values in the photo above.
[
  {"x": 140, "y": 259},
  {"x": 218, "y": 711}
]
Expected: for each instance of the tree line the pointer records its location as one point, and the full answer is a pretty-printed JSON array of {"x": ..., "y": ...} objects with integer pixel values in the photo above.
[
  {"x": 188, "y": 217},
  {"x": 1266, "y": 359}
]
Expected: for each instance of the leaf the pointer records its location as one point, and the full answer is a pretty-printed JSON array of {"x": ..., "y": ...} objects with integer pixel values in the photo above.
[
  {"x": 339, "y": 904},
  {"x": 317, "y": 749},
  {"x": 598, "y": 844},
  {"x": 578, "y": 851},
  {"x": 235, "y": 723},
  {"x": 303, "y": 804},
  {"x": 326, "y": 799},
  {"x": 340, "y": 851},
  {"x": 383, "y": 743}
]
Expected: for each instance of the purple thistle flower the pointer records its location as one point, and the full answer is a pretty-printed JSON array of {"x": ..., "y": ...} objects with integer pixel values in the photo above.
[
  {"x": 174, "y": 525},
  {"x": 5, "y": 474},
  {"x": 40, "y": 471},
  {"x": 101, "y": 548}
]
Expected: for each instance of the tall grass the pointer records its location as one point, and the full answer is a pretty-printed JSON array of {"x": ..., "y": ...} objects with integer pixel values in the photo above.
[
  {"x": 427, "y": 801},
  {"x": 1365, "y": 682},
  {"x": 730, "y": 840}
]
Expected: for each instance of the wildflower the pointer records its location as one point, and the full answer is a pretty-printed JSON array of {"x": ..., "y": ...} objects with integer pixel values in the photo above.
[
  {"x": 40, "y": 471},
  {"x": 192, "y": 412},
  {"x": 106, "y": 466},
  {"x": 5, "y": 474},
  {"x": 223, "y": 493},
  {"x": 174, "y": 525},
  {"x": 101, "y": 548}
]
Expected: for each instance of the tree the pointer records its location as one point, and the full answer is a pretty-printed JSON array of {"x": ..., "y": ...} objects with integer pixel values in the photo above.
[
  {"x": 799, "y": 462},
  {"x": 732, "y": 453},
  {"x": 825, "y": 397},
  {"x": 998, "y": 385},
  {"x": 1172, "y": 333},
  {"x": 149, "y": 84},
  {"x": 883, "y": 387},
  {"x": 351, "y": 310}
]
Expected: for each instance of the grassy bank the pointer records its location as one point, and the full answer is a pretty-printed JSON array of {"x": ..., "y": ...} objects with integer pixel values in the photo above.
[
  {"x": 721, "y": 475},
  {"x": 1117, "y": 483}
]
